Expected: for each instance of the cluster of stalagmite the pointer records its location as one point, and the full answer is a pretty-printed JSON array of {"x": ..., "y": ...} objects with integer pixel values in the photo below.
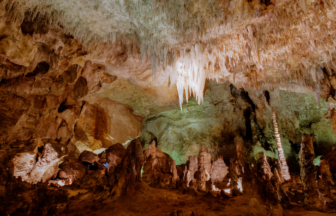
[{"x": 122, "y": 168}]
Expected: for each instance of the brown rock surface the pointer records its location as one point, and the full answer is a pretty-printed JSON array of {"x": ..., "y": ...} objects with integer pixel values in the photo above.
[
  {"x": 45, "y": 168},
  {"x": 88, "y": 156},
  {"x": 72, "y": 170},
  {"x": 266, "y": 169},
  {"x": 114, "y": 155},
  {"x": 128, "y": 172},
  {"x": 313, "y": 198},
  {"x": 326, "y": 181},
  {"x": 219, "y": 170},
  {"x": 159, "y": 169}
]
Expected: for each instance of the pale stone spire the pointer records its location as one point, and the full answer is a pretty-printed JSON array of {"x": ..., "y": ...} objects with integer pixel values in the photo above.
[{"x": 282, "y": 159}]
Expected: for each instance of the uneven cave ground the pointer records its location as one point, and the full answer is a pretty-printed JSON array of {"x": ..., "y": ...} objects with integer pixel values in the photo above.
[{"x": 168, "y": 107}]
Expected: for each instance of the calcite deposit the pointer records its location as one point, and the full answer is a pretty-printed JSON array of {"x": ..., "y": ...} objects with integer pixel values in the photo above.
[{"x": 167, "y": 107}]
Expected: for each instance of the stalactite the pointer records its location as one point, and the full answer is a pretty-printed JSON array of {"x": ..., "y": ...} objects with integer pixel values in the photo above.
[{"x": 282, "y": 159}]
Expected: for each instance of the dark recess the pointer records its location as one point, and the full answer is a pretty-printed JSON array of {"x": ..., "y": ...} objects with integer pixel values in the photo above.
[
  {"x": 41, "y": 68},
  {"x": 268, "y": 97},
  {"x": 63, "y": 107},
  {"x": 247, "y": 115},
  {"x": 31, "y": 26}
]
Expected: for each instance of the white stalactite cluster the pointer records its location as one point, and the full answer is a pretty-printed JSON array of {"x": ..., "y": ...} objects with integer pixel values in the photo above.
[
  {"x": 282, "y": 159},
  {"x": 285, "y": 44}
]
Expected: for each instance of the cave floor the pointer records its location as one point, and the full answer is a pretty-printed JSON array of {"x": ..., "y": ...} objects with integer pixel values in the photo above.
[
  {"x": 153, "y": 201},
  {"x": 73, "y": 200}
]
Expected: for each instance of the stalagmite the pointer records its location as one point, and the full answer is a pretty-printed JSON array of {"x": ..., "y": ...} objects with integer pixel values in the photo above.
[
  {"x": 218, "y": 170},
  {"x": 313, "y": 198},
  {"x": 204, "y": 160},
  {"x": 235, "y": 175},
  {"x": 265, "y": 168},
  {"x": 282, "y": 159},
  {"x": 326, "y": 181},
  {"x": 240, "y": 155}
]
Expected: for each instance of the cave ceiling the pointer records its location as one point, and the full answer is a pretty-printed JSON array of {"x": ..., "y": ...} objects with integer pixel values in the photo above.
[{"x": 174, "y": 46}]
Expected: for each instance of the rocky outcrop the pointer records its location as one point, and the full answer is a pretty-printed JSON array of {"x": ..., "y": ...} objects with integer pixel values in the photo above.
[
  {"x": 45, "y": 168},
  {"x": 88, "y": 157},
  {"x": 313, "y": 198},
  {"x": 326, "y": 181},
  {"x": 114, "y": 155},
  {"x": 128, "y": 172},
  {"x": 159, "y": 169},
  {"x": 24, "y": 162},
  {"x": 219, "y": 170},
  {"x": 72, "y": 170}
]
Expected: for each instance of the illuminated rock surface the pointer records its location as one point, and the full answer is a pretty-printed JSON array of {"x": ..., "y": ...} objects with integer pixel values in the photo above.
[{"x": 141, "y": 107}]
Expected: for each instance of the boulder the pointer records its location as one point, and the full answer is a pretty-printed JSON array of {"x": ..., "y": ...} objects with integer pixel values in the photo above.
[
  {"x": 72, "y": 170},
  {"x": 114, "y": 155},
  {"x": 88, "y": 157},
  {"x": 44, "y": 169}
]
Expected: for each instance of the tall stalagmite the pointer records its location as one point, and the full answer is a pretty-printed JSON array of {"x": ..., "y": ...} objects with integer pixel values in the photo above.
[
  {"x": 313, "y": 198},
  {"x": 282, "y": 159}
]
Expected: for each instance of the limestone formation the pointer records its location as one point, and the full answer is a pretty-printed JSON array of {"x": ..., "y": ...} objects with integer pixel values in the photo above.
[
  {"x": 204, "y": 160},
  {"x": 265, "y": 168},
  {"x": 313, "y": 198},
  {"x": 235, "y": 176},
  {"x": 219, "y": 170},
  {"x": 72, "y": 170},
  {"x": 45, "y": 168},
  {"x": 192, "y": 166},
  {"x": 23, "y": 163},
  {"x": 326, "y": 181},
  {"x": 82, "y": 77},
  {"x": 159, "y": 169},
  {"x": 240, "y": 156},
  {"x": 282, "y": 160},
  {"x": 173, "y": 170},
  {"x": 88, "y": 157},
  {"x": 128, "y": 172},
  {"x": 114, "y": 155}
]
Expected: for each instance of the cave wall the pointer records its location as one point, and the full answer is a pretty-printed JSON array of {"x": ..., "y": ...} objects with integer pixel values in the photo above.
[
  {"x": 47, "y": 79},
  {"x": 228, "y": 114}
]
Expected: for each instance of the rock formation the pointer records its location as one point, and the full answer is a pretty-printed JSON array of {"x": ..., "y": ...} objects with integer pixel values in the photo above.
[
  {"x": 81, "y": 77},
  {"x": 114, "y": 155},
  {"x": 45, "y": 168},
  {"x": 326, "y": 181},
  {"x": 282, "y": 160},
  {"x": 88, "y": 157},
  {"x": 192, "y": 167},
  {"x": 265, "y": 168},
  {"x": 240, "y": 156},
  {"x": 128, "y": 172},
  {"x": 72, "y": 170},
  {"x": 236, "y": 177},
  {"x": 219, "y": 170},
  {"x": 313, "y": 198},
  {"x": 159, "y": 169}
]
